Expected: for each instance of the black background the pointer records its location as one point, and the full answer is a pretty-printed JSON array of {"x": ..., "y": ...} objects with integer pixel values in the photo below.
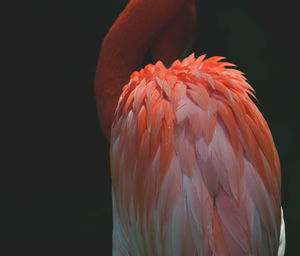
[{"x": 56, "y": 188}]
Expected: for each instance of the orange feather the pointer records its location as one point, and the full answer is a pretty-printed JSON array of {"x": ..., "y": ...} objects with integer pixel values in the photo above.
[{"x": 207, "y": 101}]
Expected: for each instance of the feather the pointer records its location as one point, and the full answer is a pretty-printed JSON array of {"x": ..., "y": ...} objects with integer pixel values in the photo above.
[{"x": 192, "y": 157}]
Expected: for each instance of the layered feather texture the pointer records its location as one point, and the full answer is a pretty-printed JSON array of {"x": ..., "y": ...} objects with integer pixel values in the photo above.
[{"x": 193, "y": 163}]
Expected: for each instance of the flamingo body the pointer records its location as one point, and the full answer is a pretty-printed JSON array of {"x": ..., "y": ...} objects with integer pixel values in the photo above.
[{"x": 193, "y": 163}]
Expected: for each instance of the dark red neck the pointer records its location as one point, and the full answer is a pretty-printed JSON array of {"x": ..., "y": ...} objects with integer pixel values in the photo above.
[{"x": 143, "y": 24}]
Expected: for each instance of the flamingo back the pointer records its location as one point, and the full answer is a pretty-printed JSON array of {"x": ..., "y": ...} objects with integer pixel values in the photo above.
[{"x": 194, "y": 167}]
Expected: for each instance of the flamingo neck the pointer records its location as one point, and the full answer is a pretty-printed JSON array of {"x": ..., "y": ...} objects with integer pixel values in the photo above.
[{"x": 124, "y": 48}]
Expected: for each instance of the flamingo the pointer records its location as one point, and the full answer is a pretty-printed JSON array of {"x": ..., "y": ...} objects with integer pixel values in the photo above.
[{"x": 194, "y": 167}]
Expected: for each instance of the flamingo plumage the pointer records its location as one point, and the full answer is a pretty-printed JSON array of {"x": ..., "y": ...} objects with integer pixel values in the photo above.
[{"x": 194, "y": 167}]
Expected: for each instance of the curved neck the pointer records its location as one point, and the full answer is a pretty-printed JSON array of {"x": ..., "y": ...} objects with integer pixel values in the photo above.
[{"x": 124, "y": 47}]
